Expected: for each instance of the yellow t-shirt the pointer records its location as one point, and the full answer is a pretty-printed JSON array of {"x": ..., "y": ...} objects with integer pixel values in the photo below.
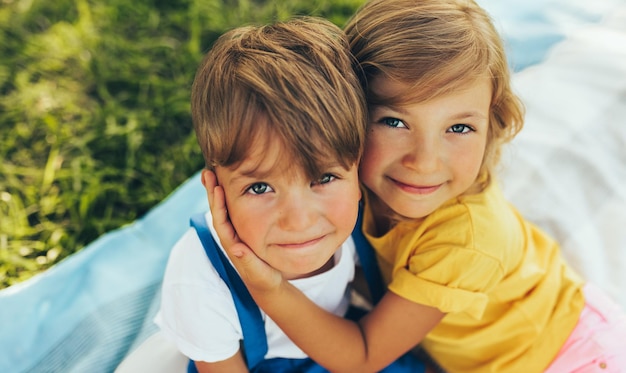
[{"x": 511, "y": 301}]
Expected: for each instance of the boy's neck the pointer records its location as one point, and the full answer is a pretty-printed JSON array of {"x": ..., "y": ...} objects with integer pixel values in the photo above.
[{"x": 325, "y": 268}]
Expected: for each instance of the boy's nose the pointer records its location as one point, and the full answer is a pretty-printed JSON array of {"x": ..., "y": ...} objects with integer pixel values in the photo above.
[{"x": 296, "y": 214}]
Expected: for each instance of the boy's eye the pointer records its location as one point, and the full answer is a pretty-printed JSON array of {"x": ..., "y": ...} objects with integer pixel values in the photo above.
[
  {"x": 393, "y": 122},
  {"x": 325, "y": 179},
  {"x": 460, "y": 128},
  {"x": 259, "y": 188}
]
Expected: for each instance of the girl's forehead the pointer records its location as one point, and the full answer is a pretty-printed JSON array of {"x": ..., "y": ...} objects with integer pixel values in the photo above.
[
  {"x": 383, "y": 86},
  {"x": 390, "y": 90}
]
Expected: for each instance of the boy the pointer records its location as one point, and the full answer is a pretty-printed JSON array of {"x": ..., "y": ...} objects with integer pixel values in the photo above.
[{"x": 280, "y": 117}]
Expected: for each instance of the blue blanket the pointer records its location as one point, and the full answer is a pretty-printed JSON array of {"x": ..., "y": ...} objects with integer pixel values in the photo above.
[{"x": 86, "y": 313}]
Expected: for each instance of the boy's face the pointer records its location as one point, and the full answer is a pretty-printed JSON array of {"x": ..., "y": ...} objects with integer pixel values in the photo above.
[
  {"x": 291, "y": 222},
  {"x": 420, "y": 155}
]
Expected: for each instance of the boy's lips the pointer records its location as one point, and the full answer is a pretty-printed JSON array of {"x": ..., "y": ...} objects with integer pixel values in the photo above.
[
  {"x": 416, "y": 189},
  {"x": 302, "y": 244}
]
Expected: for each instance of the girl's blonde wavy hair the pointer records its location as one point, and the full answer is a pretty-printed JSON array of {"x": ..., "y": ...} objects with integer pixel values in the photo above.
[{"x": 435, "y": 46}]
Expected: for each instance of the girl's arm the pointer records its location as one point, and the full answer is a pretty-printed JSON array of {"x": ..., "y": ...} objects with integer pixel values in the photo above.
[
  {"x": 392, "y": 328},
  {"x": 234, "y": 364}
]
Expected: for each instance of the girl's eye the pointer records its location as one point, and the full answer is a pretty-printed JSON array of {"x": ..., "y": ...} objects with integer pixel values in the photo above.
[
  {"x": 259, "y": 188},
  {"x": 460, "y": 128},
  {"x": 325, "y": 179},
  {"x": 393, "y": 122}
]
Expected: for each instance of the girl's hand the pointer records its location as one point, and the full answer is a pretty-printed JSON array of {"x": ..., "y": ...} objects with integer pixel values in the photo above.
[{"x": 256, "y": 274}]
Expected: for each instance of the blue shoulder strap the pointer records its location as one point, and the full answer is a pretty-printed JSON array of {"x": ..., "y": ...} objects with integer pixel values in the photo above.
[
  {"x": 252, "y": 324},
  {"x": 367, "y": 257}
]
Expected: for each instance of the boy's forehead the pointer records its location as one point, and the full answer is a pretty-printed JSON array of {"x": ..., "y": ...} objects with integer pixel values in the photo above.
[
  {"x": 267, "y": 157},
  {"x": 273, "y": 166}
]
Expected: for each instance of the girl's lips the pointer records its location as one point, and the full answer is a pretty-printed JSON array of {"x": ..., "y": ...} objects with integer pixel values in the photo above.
[{"x": 416, "y": 189}]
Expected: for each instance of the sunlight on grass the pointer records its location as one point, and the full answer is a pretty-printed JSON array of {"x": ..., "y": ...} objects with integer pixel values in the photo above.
[{"x": 95, "y": 124}]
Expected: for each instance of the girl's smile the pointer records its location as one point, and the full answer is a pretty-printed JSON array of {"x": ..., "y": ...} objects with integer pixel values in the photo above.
[{"x": 416, "y": 189}]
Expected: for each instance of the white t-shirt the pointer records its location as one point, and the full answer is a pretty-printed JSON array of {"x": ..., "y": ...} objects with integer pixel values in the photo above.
[{"x": 198, "y": 313}]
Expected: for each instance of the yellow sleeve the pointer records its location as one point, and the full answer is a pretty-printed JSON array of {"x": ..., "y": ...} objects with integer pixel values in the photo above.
[{"x": 452, "y": 279}]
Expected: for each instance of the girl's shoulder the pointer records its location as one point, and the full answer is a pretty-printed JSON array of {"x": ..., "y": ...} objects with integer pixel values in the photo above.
[
  {"x": 484, "y": 223},
  {"x": 480, "y": 213}
]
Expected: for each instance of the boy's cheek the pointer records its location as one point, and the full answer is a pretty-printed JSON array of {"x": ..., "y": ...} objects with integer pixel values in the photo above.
[{"x": 248, "y": 227}]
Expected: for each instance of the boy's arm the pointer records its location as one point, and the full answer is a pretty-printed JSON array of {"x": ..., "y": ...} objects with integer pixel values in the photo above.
[
  {"x": 392, "y": 328},
  {"x": 234, "y": 364}
]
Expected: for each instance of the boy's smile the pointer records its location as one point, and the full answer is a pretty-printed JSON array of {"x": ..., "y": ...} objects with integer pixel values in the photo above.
[
  {"x": 420, "y": 155},
  {"x": 291, "y": 222}
]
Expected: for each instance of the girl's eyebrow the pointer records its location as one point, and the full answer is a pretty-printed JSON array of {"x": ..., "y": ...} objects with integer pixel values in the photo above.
[
  {"x": 458, "y": 116},
  {"x": 390, "y": 107},
  {"x": 469, "y": 114}
]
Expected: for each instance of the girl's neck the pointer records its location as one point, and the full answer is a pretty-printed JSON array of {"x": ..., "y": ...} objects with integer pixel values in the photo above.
[{"x": 384, "y": 217}]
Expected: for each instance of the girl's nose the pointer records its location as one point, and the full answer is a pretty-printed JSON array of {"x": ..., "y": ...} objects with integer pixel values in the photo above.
[{"x": 422, "y": 156}]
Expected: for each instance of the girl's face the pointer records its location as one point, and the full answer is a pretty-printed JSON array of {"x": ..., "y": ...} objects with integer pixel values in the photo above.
[{"x": 420, "y": 155}]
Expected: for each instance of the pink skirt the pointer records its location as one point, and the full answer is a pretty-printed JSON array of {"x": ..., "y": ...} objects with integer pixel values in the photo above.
[{"x": 598, "y": 343}]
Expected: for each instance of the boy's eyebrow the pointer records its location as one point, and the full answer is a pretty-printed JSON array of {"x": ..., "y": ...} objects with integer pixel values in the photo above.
[
  {"x": 252, "y": 172},
  {"x": 255, "y": 173}
]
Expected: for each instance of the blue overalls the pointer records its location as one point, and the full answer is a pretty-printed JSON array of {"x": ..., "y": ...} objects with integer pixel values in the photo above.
[{"x": 254, "y": 339}]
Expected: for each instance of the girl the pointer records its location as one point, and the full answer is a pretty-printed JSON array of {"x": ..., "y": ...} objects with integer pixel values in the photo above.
[{"x": 481, "y": 288}]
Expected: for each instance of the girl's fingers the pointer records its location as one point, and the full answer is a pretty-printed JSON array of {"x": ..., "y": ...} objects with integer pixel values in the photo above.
[
  {"x": 209, "y": 180},
  {"x": 257, "y": 274},
  {"x": 217, "y": 203},
  {"x": 224, "y": 228}
]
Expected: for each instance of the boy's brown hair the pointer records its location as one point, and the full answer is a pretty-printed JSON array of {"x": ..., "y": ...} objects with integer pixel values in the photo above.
[
  {"x": 435, "y": 46},
  {"x": 294, "y": 80}
]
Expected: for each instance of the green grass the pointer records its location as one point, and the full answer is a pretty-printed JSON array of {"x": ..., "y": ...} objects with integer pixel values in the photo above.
[{"x": 95, "y": 125}]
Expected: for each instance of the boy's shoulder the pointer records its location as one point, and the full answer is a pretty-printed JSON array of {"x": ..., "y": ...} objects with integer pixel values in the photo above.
[{"x": 188, "y": 263}]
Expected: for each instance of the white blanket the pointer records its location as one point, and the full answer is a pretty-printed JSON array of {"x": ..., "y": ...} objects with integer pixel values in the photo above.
[{"x": 566, "y": 170}]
